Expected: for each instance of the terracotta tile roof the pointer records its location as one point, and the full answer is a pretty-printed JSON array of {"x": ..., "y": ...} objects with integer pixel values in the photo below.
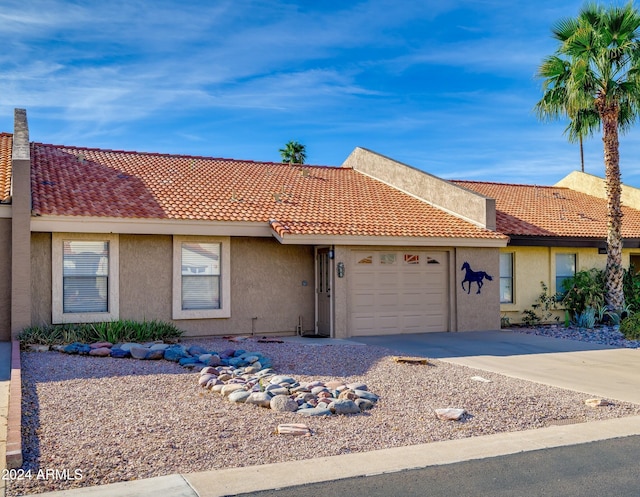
[
  {"x": 6, "y": 142},
  {"x": 529, "y": 210},
  {"x": 71, "y": 181}
]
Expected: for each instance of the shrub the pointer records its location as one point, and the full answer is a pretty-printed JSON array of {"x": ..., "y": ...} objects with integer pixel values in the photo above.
[
  {"x": 630, "y": 327},
  {"x": 542, "y": 309},
  {"x": 586, "y": 319},
  {"x": 110, "y": 331},
  {"x": 584, "y": 290},
  {"x": 631, "y": 286}
]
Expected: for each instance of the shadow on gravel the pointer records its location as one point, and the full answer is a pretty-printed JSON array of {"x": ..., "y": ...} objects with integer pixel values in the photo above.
[
  {"x": 30, "y": 425},
  {"x": 56, "y": 366}
]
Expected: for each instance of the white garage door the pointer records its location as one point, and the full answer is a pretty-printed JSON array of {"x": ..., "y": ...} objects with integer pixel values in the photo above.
[{"x": 398, "y": 292}]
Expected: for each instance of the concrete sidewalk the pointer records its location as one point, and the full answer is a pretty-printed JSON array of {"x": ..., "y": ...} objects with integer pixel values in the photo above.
[{"x": 588, "y": 368}]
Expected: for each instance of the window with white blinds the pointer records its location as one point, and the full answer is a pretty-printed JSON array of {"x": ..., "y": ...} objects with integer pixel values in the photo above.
[
  {"x": 85, "y": 276},
  {"x": 200, "y": 275}
]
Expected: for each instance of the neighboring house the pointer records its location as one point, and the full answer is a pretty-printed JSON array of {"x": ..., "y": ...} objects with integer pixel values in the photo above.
[
  {"x": 554, "y": 231},
  {"x": 224, "y": 247}
]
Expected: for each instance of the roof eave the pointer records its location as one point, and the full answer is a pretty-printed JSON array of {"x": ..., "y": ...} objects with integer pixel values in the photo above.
[{"x": 412, "y": 241}]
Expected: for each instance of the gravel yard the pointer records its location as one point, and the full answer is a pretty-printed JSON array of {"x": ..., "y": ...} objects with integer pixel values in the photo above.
[{"x": 103, "y": 420}]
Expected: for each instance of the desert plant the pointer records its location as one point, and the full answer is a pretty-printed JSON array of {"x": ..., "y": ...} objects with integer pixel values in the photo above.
[
  {"x": 505, "y": 322},
  {"x": 585, "y": 289},
  {"x": 631, "y": 285},
  {"x": 542, "y": 309},
  {"x": 586, "y": 319},
  {"x": 110, "y": 331},
  {"x": 630, "y": 327}
]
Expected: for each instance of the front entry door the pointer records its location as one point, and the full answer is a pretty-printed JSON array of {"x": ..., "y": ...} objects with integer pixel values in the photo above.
[{"x": 323, "y": 292}]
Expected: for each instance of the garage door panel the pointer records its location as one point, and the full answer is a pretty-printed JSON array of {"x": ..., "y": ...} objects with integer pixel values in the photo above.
[
  {"x": 365, "y": 280},
  {"x": 413, "y": 279},
  {"x": 408, "y": 296},
  {"x": 388, "y": 322},
  {"x": 389, "y": 279},
  {"x": 412, "y": 299},
  {"x": 413, "y": 322},
  {"x": 386, "y": 300},
  {"x": 364, "y": 322},
  {"x": 363, "y": 300}
]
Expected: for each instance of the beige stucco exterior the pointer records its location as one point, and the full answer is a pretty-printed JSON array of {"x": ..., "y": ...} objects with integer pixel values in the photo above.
[
  {"x": 477, "y": 312},
  {"x": 467, "y": 312},
  {"x": 466, "y": 204},
  {"x": 267, "y": 291},
  {"x": 5, "y": 278},
  {"x": 595, "y": 186},
  {"x": 532, "y": 265},
  {"x": 20, "y": 229}
]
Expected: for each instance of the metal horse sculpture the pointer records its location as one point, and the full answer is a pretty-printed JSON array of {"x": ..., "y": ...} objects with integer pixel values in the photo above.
[{"x": 473, "y": 276}]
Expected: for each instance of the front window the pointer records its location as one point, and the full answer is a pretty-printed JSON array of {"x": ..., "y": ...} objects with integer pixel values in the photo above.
[
  {"x": 565, "y": 269},
  {"x": 506, "y": 278},
  {"x": 201, "y": 277},
  {"x": 84, "y": 277}
]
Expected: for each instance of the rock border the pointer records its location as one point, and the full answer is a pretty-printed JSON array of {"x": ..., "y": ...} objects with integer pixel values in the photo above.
[{"x": 243, "y": 377}]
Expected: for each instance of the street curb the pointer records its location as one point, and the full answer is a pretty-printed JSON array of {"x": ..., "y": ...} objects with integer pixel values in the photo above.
[
  {"x": 247, "y": 479},
  {"x": 14, "y": 433}
]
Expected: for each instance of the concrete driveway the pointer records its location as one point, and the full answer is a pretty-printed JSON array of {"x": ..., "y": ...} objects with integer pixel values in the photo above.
[{"x": 601, "y": 370}]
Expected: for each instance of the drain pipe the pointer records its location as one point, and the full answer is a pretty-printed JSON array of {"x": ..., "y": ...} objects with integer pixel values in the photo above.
[{"x": 253, "y": 326}]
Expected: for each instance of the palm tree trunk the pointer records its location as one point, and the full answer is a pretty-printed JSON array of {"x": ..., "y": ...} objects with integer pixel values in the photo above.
[
  {"x": 581, "y": 154},
  {"x": 614, "y": 271}
]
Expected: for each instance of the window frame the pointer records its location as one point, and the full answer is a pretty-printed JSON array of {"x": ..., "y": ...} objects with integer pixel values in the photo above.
[
  {"x": 58, "y": 316},
  {"x": 511, "y": 278},
  {"x": 225, "y": 279}
]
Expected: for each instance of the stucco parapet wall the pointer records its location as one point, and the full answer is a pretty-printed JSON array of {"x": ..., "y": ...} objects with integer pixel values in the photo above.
[
  {"x": 595, "y": 186},
  {"x": 460, "y": 202},
  {"x": 21, "y": 150}
]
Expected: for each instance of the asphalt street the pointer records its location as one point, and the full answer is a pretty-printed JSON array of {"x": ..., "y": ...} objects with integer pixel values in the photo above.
[{"x": 610, "y": 467}]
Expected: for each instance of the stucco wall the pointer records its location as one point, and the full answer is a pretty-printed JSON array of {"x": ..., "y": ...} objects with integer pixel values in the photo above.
[
  {"x": 461, "y": 202},
  {"x": 145, "y": 277},
  {"x": 533, "y": 265},
  {"x": 266, "y": 283},
  {"x": 477, "y": 311},
  {"x": 467, "y": 312},
  {"x": 5, "y": 279},
  {"x": 41, "y": 278},
  {"x": 595, "y": 186}
]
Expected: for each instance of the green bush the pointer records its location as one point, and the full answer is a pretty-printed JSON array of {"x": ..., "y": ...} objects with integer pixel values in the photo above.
[
  {"x": 631, "y": 285},
  {"x": 585, "y": 290},
  {"x": 542, "y": 309},
  {"x": 630, "y": 327},
  {"x": 110, "y": 331},
  {"x": 586, "y": 319}
]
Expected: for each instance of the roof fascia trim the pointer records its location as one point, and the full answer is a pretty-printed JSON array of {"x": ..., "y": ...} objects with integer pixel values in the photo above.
[
  {"x": 80, "y": 224},
  {"x": 389, "y": 240}
]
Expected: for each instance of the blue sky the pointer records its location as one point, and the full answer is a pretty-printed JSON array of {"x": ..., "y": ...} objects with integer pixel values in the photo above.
[{"x": 447, "y": 86}]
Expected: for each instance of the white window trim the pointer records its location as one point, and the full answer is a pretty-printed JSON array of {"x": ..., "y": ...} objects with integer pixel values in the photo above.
[
  {"x": 513, "y": 279},
  {"x": 58, "y": 316},
  {"x": 225, "y": 252}
]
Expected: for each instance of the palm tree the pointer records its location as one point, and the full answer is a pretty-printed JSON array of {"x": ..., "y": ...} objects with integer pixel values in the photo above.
[
  {"x": 293, "y": 153},
  {"x": 593, "y": 78}
]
